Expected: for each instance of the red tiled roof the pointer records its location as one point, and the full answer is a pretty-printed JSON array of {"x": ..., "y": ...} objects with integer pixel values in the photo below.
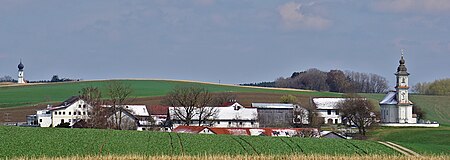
[
  {"x": 231, "y": 131},
  {"x": 158, "y": 110},
  {"x": 189, "y": 129}
]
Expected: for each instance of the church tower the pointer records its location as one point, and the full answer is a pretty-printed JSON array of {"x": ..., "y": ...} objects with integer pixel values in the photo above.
[
  {"x": 396, "y": 106},
  {"x": 402, "y": 83},
  {"x": 20, "y": 76}
]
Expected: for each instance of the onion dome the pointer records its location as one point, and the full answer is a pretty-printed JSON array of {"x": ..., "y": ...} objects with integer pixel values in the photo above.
[
  {"x": 20, "y": 66},
  {"x": 402, "y": 67}
]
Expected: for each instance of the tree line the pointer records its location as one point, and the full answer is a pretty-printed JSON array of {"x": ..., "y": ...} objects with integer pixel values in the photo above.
[
  {"x": 438, "y": 87},
  {"x": 55, "y": 78},
  {"x": 335, "y": 81}
]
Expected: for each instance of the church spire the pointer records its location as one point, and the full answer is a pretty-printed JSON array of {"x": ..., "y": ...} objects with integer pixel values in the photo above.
[{"x": 402, "y": 70}]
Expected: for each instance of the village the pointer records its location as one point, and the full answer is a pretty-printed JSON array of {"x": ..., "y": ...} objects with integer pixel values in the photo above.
[{"x": 230, "y": 117}]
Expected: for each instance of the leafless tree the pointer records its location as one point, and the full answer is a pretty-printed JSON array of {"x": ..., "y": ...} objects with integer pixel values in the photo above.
[
  {"x": 359, "y": 112},
  {"x": 97, "y": 113},
  {"x": 189, "y": 102},
  {"x": 119, "y": 94},
  {"x": 224, "y": 97}
]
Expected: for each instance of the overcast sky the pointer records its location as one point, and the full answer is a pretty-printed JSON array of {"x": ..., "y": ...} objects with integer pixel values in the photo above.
[{"x": 221, "y": 40}]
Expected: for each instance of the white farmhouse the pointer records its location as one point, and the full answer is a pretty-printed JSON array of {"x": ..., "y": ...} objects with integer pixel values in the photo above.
[
  {"x": 70, "y": 111},
  {"x": 327, "y": 108},
  {"x": 133, "y": 117},
  {"x": 231, "y": 115}
]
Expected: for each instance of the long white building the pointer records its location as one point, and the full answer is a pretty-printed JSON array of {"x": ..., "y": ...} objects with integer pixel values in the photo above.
[{"x": 231, "y": 115}]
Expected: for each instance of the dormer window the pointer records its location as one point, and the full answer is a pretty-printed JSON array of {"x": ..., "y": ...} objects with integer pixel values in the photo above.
[{"x": 403, "y": 80}]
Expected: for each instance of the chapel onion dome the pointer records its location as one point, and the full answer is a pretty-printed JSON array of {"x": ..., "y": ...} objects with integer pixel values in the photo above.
[
  {"x": 402, "y": 67},
  {"x": 20, "y": 66}
]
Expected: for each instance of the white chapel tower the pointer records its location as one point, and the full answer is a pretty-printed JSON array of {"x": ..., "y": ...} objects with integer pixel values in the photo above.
[
  {"x": 396, "y": 107},
  {"x": 20, "y": 76}
]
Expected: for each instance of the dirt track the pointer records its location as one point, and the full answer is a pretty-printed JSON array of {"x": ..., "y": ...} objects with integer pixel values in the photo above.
[{"x": 19, "y": 114}]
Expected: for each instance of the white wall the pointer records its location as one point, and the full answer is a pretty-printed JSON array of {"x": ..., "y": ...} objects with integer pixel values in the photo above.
[
  {"x": 44, "y": 119},
  {"x": 67, "y": 114},
  {"x": 324, "y": 113}
]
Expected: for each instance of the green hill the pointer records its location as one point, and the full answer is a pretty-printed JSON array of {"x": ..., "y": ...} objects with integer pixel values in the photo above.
[
  {"x": 61, "y": 142},
  {"x": 16, "y": 96}
]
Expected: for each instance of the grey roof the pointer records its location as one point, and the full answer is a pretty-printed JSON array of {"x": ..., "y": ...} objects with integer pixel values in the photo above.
[
  {"x": 390, "y": 98},
  {"x": 273, "y": 105}
]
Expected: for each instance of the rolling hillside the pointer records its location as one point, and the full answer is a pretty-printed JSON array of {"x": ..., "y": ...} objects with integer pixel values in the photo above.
[{"x": 27, "y": 95}]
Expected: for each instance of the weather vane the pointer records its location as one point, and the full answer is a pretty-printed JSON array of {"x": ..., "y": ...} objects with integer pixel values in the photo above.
[{"x": 403, "y": 51}]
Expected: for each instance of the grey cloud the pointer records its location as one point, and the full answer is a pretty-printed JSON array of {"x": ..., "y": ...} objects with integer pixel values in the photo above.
[{"x": 293, "y": 18}]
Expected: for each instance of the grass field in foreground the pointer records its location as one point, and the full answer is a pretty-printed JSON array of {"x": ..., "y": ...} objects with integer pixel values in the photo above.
[
  {"x": 15, "y": 96},
  {"x": 422, "y": 140},
  {"x": 57, "y": 142}
]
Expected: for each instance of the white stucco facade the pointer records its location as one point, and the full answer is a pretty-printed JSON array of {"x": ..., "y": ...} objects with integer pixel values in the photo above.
[{"x": 327, "y": 108}]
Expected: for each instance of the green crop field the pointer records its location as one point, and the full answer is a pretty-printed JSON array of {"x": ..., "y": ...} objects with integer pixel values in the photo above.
[
  {"x": 61, "y": 142},
  {"x": 16, "y": 96}
]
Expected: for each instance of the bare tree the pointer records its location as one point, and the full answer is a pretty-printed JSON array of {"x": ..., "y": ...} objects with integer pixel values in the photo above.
[
  {"x": 188, "y": 102},
  {"x": 119, "y": 94},
  {"x": 224, "y": 97},
  {"x": 97, "y": 113},
  {"x": 359, "y": 112}
]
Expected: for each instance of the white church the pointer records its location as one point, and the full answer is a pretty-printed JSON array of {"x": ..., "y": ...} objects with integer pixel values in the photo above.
[
  {"x": 396, "y": 108},
  {"x": 20, "y": 78}
]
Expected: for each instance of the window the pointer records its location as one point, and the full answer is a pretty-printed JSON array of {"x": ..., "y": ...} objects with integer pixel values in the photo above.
[
  {"x": 40, "y": 120},
  {"x": 240, "y": 123},
  {"x": 84, "y": 113},
  {"x": 218, "y": 122},
  {"x": 70, "y": 120},
  {"x": 329, "y": 112},
  {"x": 252, "y": 123},
  {"x": 64, "y": 113},
  {"x": 74, "y": 113},
  {"x": 59, "y": 113},
  {"x": 229, "y": 122},
  {"x": 79, "y": 106},
  {"x": 70, "y": 113},
  {"x": 79, "y": 113},
  {"x": 62, "y": 120},
  {"x": 337, "y": 112},
  {"x": 335, "y": 121}
]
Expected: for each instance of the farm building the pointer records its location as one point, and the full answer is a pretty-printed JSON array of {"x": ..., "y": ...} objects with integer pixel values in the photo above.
[
  {"x": 331, "y": 134},
  {"x": 228, "y": 115},
  {"x": 279, "y": 114},
  {"x": 134, "y": 117},
  {"x": 327, "y": 109},
  {"x": 274, "y": 132},
  {"x": 159, "y": 114},
  {"x": 75, "y": 109}
]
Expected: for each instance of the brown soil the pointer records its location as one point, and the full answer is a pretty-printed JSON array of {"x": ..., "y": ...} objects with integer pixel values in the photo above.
[{"x": 19, "y": 114}]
